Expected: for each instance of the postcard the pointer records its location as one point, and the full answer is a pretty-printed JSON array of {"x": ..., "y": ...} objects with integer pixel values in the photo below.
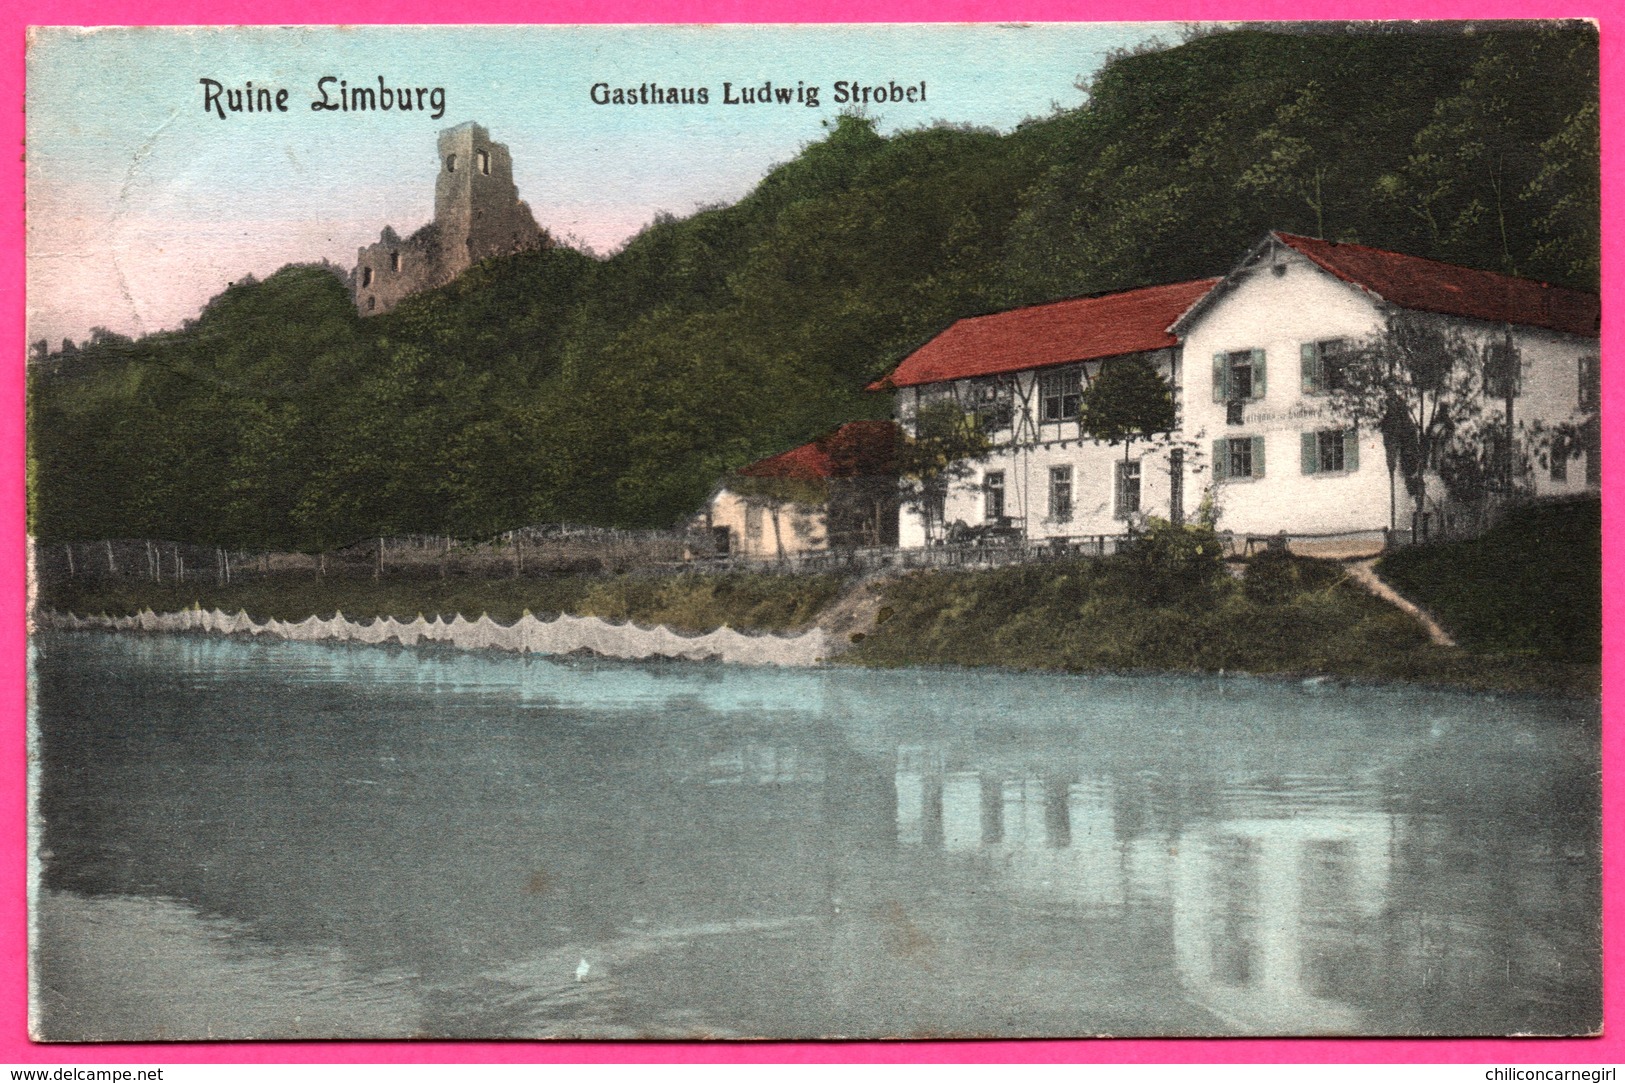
[{"x": 789, "y": 532}]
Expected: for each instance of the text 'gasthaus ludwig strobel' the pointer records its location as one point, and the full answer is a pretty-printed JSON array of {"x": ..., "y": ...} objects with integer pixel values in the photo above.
[
  {"x": 844, "y": 92},
  {"x": 333, "y": 95}
]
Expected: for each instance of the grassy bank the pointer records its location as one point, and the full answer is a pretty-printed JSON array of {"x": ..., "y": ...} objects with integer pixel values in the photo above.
[
  {"x": 1287, "y": 616},
  {"x": 689, "y": 603},
  {"x": 1529, "y": 587}
]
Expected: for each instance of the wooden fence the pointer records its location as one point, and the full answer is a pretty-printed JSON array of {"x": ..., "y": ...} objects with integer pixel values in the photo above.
[{"x": 534, "y": 551}]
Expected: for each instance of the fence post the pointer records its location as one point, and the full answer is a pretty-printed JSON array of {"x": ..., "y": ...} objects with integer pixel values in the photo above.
[
  {"x": 112, "y": 569},
  {"x": 69, "y": 548}
]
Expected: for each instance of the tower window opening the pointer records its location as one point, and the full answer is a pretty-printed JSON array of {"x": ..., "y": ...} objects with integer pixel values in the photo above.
[
  {"x": 451, "y": 163},
  {"x": 483, "y": 160},
  {"x": 394, "y": 261},
  {"x": 366, "y": 276},
  {"x": 372, "y": 303}
]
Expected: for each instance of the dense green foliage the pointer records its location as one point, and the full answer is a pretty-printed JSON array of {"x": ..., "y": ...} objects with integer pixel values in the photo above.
[
  {"x": 556, "y": 387},
  {"x": 1530, "y": 585}
]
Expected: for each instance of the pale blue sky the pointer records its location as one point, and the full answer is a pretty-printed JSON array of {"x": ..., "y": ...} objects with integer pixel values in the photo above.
[{"x": 142, "y": 206}]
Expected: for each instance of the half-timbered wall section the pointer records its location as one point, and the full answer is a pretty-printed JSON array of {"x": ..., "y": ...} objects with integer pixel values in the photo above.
[{"x": 1023, "y": 374}]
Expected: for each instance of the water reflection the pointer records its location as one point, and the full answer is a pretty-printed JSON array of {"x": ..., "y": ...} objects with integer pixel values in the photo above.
[
  {"x": 496, "y": 846},
  {"x": 1272, "y": 917}
]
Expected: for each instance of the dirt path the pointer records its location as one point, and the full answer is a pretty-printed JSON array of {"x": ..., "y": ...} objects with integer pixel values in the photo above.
[
  {"x": 1364, "y": 572},
  {"x": 856, "y": 612}
]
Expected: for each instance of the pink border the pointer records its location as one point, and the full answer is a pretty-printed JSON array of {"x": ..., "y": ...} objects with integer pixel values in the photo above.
[{"x": 14, "y": 1044}]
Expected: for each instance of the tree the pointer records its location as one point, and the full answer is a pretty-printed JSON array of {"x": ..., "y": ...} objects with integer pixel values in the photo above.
[
  {"x": 1418, "y": 381},
  {"x": 862, "y": 484},
  {"x": 945, "y": 442},
  {"x": 1128, "y": 401},
  {"x": 1569, "y": 184},
  {"x": 1294, "y": 159},
  {"x": 1491, "y": 141}
]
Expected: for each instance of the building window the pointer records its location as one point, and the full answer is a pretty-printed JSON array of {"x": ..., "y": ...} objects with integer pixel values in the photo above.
[
  {"x": 1560, "y": 460},
  {"x": 1060, "y": 493},
  {"x": 1126, "y": 495},
  {"x": 451, "y": 163},
  {"x": 1238, "y": 457},
  {"x": 394, "y": 261},
  {"x": 1331, "y": 451},
  {"x": 992, "y": 404},
  {"x": 372, "y": 303},
  {"x": 993, "y": 492},
  {"x": 1590, "y": 383},
  {"x": 1323, "y": 364},
  {"x": 1238, "y": 375},
  {"x": 1060, "y": 395},
  {"x": 482, "y": 159},
  {"x": 1502, "y": 368},
  {"x": 366, "y": 276}
]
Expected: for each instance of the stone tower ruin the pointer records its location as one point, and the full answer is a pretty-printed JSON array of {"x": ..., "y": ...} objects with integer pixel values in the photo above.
[{"x": 477, "y": 214}]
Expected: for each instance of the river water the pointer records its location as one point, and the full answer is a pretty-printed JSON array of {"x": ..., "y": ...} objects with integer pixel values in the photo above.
[{"x": 244, "y": 839}]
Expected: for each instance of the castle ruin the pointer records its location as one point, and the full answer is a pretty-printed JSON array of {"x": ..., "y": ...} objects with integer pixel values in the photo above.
[{"x": 477, "y": 214}]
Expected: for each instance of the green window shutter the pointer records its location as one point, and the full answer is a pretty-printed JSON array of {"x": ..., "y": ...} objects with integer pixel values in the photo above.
[
  {"x": 1351, "y": 450},
  {"x": 1117, "y": 490},
  {"x": 1310, "y": 443},
  {"x": 1258, "y": 456},
  {"x": 1258, "y": 374},
  {"x": 1221, "y": 459},
  {"x": 1309, "y": 363},
  {"x": 1221, "y": 377}
]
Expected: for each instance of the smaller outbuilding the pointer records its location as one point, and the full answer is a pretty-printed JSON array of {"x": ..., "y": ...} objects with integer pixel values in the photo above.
[{"x": 837, "y": 492}]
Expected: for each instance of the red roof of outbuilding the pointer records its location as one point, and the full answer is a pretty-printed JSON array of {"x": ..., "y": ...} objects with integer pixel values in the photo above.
[
  {"x": 1081, "y": 329},
  {"x": 856, "y": 449},
  {"x": 1431, "y": 286}
]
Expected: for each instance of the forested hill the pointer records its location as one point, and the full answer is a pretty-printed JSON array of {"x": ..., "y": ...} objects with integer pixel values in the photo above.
[{"x": 553, "y": 386}]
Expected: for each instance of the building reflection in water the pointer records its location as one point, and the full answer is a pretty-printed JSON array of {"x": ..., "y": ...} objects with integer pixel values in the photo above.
[
  {"x": 1050, "y": 835},
  {"x": 1274, "y": 922}
]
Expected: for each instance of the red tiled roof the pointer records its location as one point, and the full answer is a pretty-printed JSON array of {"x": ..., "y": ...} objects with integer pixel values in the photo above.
[
  {"x": 1050, "y": 334},
  {"x": 1431, "y": 286},
  {"x": 858, "y": 448}
]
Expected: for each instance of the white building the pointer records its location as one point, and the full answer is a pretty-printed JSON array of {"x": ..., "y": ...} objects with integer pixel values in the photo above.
[
  {"x": 1249, "y": 356},
  {"x": 838, "y": 491}
]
